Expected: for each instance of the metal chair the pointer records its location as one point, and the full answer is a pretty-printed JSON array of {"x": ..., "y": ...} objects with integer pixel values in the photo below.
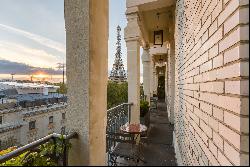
[
  {"x": 121, "y": 145},
  {"x": 153, "y": 101}
]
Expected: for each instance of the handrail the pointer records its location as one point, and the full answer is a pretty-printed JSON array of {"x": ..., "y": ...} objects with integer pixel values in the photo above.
[
  {"x": 34, "y": 144},
  {"x": 119, "y": 106}
]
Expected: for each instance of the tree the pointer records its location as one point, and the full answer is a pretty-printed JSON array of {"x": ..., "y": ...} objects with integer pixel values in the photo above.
[
  {"x": 117, "y": 93},
  {"x": 62, "y": 89}
]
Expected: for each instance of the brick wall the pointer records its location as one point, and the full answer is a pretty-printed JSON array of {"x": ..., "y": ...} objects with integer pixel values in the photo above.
[{"x": 212, "y": 79}]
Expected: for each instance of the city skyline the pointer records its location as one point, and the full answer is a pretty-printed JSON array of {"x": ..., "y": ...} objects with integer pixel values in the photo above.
[{"x": 37, "y": 43}]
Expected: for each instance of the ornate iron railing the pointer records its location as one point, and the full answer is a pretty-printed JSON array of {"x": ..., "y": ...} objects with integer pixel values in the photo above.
[
  {"x": 33, "y": 147},
  {"x": 118, "y": 116},
  {"x": 153, "y": 102}
]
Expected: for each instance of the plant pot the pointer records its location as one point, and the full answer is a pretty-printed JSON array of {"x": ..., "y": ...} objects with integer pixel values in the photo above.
[
  {"x": 142, "y": 120},
  {"x": 145, "y": 120}
]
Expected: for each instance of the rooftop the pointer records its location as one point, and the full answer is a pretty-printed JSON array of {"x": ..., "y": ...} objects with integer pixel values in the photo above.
[
  {"x": 28, "y": 85},
  {"x": 10, "y": 126}
]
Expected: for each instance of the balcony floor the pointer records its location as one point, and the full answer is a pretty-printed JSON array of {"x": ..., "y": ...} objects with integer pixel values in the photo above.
[{"x": 159, "y": 151}]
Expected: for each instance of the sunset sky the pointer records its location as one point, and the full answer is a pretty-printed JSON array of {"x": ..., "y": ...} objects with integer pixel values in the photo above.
[{"x": 32, "y": 35}]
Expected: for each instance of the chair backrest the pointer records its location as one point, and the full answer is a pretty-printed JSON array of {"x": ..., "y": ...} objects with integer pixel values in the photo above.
[{"x": 113, "y": 138}]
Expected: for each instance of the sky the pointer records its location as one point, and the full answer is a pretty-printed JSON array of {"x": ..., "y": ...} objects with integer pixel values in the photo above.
[{"x": 33, "y": 37}]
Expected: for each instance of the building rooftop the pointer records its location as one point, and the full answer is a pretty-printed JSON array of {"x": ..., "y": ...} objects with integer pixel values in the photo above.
[
  {"x": 10, "y": 126},
  {"x": 28, "y": 85},
  {"x": 35, "y": 97},
  {"x": 44, "y": 109}
]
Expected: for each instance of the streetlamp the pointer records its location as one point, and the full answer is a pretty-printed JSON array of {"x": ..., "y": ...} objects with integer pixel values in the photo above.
[{"x": 61, "y": 66}]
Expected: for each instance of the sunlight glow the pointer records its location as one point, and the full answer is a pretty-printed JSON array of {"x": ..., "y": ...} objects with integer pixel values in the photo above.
[{"x": 40, "y": 76}]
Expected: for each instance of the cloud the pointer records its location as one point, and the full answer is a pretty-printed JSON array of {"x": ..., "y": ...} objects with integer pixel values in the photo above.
[
  {"x": 22, "y": 54},
  {"x": 9, "y": 67},
  {"x": 37, "y": 38}
]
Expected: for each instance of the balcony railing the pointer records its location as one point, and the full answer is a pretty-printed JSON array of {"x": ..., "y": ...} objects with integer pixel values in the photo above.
[
  {"x": 153, "y": 102},
  {"x": 33, "y": 147},
  {"x": 118, "y": 116}
]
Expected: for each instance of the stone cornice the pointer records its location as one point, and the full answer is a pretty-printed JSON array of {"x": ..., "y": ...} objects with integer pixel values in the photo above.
[
  {"x": 8, "y": 127},
  {"x": 43, "y": 110},
  {"x": 11, "y": 110}
]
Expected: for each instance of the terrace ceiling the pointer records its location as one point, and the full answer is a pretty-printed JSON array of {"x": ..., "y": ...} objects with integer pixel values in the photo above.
[{"x": 150, "y": 21}]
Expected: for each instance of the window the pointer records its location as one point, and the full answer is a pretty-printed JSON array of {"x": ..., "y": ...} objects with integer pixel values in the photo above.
[
  {"x": 51, "y": 119},
  {"x": 63, "y": 130},
  {"x": 32, "y": 125},
  {"x": 1, "y": 119},
  {"x": 63, "y": 115}
]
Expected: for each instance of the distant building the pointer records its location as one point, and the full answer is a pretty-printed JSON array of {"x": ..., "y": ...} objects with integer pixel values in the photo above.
[
  {"x": 29, "y": 112},
  {"x": 118, "y": 73}
]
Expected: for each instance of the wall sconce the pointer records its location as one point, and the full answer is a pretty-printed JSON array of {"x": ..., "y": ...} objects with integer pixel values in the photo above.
[{"x": 161, "y": 62}]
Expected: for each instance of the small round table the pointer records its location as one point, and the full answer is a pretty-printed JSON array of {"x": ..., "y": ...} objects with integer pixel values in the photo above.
[
  {"x": 127, "y": 128},
  {"x": 134, "y": 129}
]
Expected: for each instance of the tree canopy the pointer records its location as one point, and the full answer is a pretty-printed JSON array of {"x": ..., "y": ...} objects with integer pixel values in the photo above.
[{"x": 117, "y": 93}]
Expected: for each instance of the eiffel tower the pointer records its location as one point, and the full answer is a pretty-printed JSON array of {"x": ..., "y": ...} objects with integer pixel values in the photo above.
[{"x": 118, "y": 73}]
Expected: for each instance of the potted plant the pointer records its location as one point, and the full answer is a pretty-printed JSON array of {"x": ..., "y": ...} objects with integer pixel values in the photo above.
[{"x": 144, "y": 112}]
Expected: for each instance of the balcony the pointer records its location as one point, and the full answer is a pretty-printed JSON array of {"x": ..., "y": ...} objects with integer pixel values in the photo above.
[
  {"x": 47, "y": 151},
  {"x": 156, "y": 148}
]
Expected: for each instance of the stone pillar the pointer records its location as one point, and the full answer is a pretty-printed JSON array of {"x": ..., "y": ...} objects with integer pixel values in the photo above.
[
  {"x": 156, "y": 81},
  {"x": 166, "y": 84},
  {"x": 152, "y": 69},
  {"x": 86, "y": 24},
  {"x": 132, "y": 37},
  {"x": 133, "y": 65},
  {"x": 146, "y": 73}
]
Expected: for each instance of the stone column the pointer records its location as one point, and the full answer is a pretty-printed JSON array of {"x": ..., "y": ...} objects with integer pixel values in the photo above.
[
  {"x": 152, "y": 79},
  {"x": 133, "y": 65},
  {"x": 166, "y": 83},
  {"x": 132, "y": 37},
  {"x": 86, "y": 24},
  {"x": 156, "y": 81},
  {"x": 146, "y": 73}
]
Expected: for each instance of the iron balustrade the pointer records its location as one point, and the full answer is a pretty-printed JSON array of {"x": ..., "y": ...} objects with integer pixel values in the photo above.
[
  {"x": 35, "y": 144},
  {"x": 118, "y": 116},
  {"x": 153, "y": 102}
]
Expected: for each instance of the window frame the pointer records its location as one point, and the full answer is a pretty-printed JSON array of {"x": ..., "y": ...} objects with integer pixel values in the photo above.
[
  {"x": 31, "y": 125},
  {"x": 1, "y": 119},
  {"x": 63, "y": 116},
  {"x": 51, "y": 118}
]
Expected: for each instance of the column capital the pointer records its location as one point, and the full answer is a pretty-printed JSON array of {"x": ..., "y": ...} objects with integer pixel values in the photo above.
[
  {"x": 132, "y": 31},
  {"x": 132, "y": 11},
  {"x": 146, "y": 46}
]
